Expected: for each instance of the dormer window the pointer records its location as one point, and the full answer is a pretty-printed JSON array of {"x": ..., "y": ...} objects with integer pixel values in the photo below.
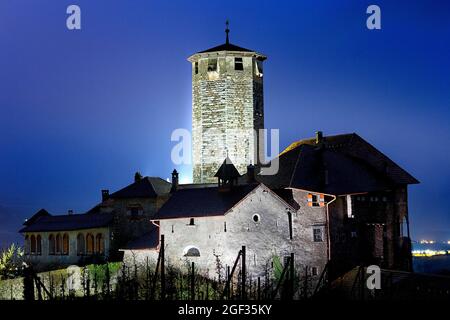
[
  {"x": 212, "y": 65},
  {"x": 238, "y": 64}
]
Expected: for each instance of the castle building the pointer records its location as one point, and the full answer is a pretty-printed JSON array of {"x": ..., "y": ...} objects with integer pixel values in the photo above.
[
  {"x": 335, "y": 201},
  {"x": 227, "y": 108}
]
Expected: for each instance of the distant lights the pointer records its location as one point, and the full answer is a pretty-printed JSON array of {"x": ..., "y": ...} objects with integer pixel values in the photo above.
[
  {"x": 428, "y": 242},
  {"x": 429, "y": 253}
]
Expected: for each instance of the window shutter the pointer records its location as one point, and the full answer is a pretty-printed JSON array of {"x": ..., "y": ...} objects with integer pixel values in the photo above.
[{"x": 310, "y": 198}]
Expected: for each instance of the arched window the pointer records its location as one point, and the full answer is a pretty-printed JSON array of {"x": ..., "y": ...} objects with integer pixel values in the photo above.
[
  {"x": 38, "y": 244},
  {"x": 65, "y": 244},
  {"x": 89, "y": 244},
  {"x": 81, "y": 249},
  {"x": 33, "y": 244},
  {"x": 191, "y": 251},
  {"x": 58, "y": 244},
  {"x": 51, "y": 244},
  {"x": 99, "y": 244},
  {"x": 27, "y": 244}
]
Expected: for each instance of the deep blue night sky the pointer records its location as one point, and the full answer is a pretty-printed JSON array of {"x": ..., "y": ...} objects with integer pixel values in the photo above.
[{"x": 83, "y": 110}]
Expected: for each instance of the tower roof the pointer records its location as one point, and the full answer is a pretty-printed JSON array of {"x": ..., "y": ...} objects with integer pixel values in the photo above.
[
  {"x": 227, "y": 171},
  {"x": 227, "y": 46}
]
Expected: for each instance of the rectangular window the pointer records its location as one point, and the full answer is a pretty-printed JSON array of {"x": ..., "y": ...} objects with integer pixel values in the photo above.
[
  {"x": 238, "y": 64},
  {"x": 212, "y": 65},
  {"x": 314, "y": 271},
  {"x": 316, "y": 200},
  {"x": 135, "y": 212},
  {"x": 317, "y": 235},
  {"x": 196, "y": 67}
]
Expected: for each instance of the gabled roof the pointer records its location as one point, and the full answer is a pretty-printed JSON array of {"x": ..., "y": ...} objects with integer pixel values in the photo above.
[
  {"x": 202, "y": 202},
  {"x": 37, "y": 215},
  {"x": 149, "y": 240},
  {"x": 68, "y": 222},
  {"x": 147, "y": 187},
  {"x": 227, "y": 171},
  {"x": 338, "y": 165}
]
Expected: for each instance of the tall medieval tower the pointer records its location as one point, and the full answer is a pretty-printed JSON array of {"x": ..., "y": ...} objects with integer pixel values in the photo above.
[{"x": 227, "y": 108}]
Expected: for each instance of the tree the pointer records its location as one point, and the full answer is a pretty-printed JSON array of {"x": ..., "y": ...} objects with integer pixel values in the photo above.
[{"x": 11, "y": 262}]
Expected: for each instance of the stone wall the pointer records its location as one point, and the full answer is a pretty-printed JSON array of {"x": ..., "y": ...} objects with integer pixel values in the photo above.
[
  {"x": 46, "y": 260},
  {"x": 220, "y": 238},
  {"x": 227, "y": 106},
  {"x": 372, "y": 234}
]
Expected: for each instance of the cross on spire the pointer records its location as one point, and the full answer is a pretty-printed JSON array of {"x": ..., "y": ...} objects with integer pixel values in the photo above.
[{"x": 227, "y": 31}]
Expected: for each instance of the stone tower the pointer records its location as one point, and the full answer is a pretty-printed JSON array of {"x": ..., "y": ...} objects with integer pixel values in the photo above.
[{"x": 227, "y": 108}]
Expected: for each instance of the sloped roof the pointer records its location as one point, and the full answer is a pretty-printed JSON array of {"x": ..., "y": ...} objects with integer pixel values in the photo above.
[
  {"x": 227, "y": 171},
  {"x": 202, "y": 202},
  {"x": 149, "y": 240},
  {"x": 147, "y": 187},
  {"x": 341, "y": 164},
  {"x": 37, "y": 215},
  {"x": 226, "y": 47},
  {"x": 68, "y": 222}
]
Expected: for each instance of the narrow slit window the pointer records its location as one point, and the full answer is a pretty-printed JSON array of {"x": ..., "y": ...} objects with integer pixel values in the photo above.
[
  {"x": 196, "y": 67},
  {"x": 290, "y": 224}
]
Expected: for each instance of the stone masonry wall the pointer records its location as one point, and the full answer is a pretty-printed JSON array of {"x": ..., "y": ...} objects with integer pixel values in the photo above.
[
  {"x": 222, "y": 237},
  {"x": 227, "y": 105}
]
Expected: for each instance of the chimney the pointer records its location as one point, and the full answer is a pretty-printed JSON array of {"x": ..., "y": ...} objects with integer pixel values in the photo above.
[
  {"x": 319, "y": 137},
  {"x": 137, "y": 176},
  {"x": 250, "y": 173},
  {"x": 105, "y": 195},
  {"x": 174, "y": 180},
  {"x": 70, "y": 212}
]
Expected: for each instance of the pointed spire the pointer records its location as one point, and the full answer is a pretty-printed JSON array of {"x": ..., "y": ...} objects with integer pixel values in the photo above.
[{"x": 227, "y": 31}]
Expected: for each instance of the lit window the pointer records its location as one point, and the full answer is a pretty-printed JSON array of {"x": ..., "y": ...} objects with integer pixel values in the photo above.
[
  {"x": 81, "y": 248},
  {"x": 65, "y": 244},
  {"x": 89, "y": 244},
  {"x": 317, "y": 234},
  {"x": 99, "y": 244},
  {"x": 58, "y": 244},
  {"x": 316, "y": 200},
  {"x": 238, "y": 64}
]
